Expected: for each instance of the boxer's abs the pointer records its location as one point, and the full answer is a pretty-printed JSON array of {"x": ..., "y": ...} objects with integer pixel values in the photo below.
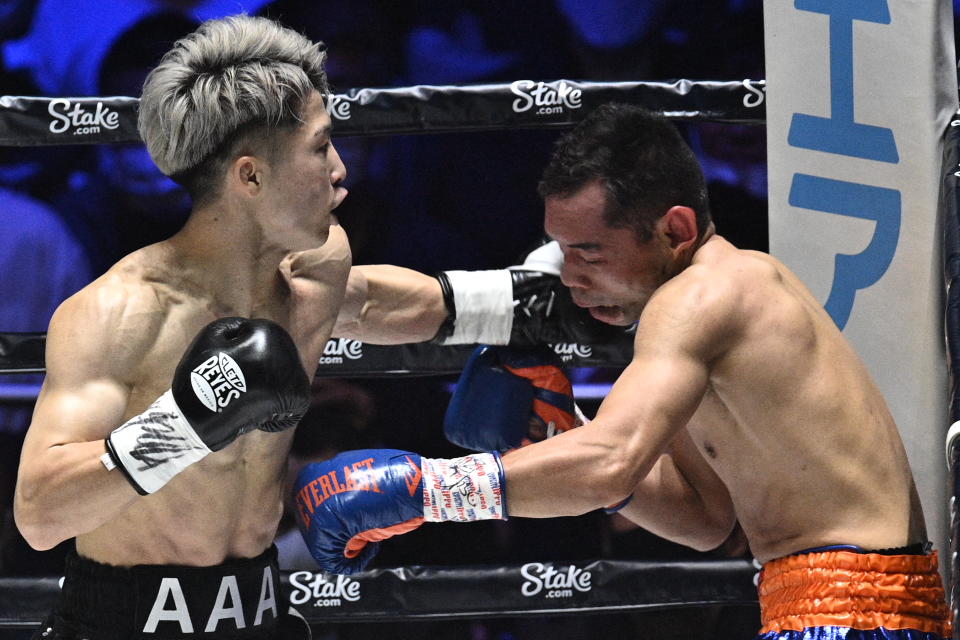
[{"x": 227, "y": 505}]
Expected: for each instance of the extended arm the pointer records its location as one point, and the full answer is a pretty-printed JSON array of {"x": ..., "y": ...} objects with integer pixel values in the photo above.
[
  {"x": 684, "y": 329},
  {"x": 522, "y": 305},
  {"x": 577, "y": 471},
  {"x": 386, "y": 304}
]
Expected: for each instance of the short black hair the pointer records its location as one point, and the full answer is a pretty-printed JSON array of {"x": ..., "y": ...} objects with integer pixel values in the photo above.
[{"x": 641, "y": 159}]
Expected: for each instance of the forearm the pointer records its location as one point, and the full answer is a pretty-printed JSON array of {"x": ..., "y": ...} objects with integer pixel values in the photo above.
[
  {"x": 569, "y": 474},
  {"x": 386, "y": 304},
  {"x": 65, "y": 491}
]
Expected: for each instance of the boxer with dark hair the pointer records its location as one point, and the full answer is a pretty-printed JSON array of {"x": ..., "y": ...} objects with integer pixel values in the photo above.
[{"x": 742, "y": 402}]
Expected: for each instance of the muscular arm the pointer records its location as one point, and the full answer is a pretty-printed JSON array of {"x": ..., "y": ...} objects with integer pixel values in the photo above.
[
  {"x": 385, "y": 304},
  {"x": 62, "y": 487},
  {"x": 686, "y": 326},
  {"x": 522, "y": 305},
  {"x": 682, "y": 499}
]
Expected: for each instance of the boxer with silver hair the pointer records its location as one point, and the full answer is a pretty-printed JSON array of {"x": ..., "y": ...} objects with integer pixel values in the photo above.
[{"x": 160, "y": 435}]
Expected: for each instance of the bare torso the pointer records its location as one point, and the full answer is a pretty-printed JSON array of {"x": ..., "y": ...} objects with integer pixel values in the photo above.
[
  {"x": 112, "y": 350},
  {"x": 793, "y": 423},
  {"x": 742, "y": 401},
  {"x": 227, "y": 505}
]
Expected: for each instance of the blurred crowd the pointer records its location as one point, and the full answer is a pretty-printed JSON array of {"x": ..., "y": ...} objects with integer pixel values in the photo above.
[{"x": 69, "y": 213}]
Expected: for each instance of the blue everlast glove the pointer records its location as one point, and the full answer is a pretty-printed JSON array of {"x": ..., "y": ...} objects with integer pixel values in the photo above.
[
  {"x": 347, "y": 505},
  {"x": 508, "y": 397}
]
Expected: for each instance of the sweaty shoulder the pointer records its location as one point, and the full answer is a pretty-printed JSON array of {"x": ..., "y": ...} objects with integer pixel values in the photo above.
[{"x": 106, "y": 327}]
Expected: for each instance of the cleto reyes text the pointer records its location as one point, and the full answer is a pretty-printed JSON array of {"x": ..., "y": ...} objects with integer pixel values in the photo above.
[{"x": 218, "y": 380}]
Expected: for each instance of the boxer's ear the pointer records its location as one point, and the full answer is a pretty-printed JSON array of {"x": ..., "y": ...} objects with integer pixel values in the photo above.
[
  {"x": 246, "y": 175},
  {"x": 679, "y": 225}
]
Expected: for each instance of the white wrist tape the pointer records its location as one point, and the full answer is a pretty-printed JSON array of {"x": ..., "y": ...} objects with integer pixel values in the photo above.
[
  {"x": 484, "y": 306},
  {"x": 156, "y": 445},
  {"x": 463, "y": 489}
]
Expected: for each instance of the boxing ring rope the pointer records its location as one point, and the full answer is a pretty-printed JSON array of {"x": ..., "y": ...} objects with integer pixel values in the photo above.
[
  {"x": 440, "y": 593},
  {"x": 422, "y": 592},
  {"x": 405, "y": 593},
  {"x": 27, "y": 121},
  {"x": 30, "y": 121}
]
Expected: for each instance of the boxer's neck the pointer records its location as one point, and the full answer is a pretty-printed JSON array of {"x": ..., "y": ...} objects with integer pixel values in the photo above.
[{"x": 234, "y": 258}]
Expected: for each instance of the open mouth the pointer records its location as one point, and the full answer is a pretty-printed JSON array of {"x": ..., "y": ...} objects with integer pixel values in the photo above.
[
  {"x": 603, "y": 308},
  {"x": 609, "y": 314}
]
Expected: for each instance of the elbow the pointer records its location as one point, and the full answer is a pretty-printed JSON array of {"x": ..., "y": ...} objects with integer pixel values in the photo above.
[
  {"x": 36, "y": 526},
  {"x": 39, "y": 536},
  {"x": 619, "y": 480},
  {"x": 706, "y": 542},
  {"x": 714, "y": 532}
]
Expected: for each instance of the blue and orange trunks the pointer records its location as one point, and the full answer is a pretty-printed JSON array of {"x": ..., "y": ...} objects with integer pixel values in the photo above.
[{"x": 835, "y": 595}]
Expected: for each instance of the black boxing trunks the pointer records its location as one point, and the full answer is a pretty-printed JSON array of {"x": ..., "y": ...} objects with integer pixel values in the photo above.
[
  {"x": 845, "y": 593},
  {"x": 237, "y": 600}
]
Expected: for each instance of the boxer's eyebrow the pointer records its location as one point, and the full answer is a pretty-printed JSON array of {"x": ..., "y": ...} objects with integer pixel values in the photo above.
[
  {"x": 323, "y": 131},
  {"x": 586, "y": 246}
]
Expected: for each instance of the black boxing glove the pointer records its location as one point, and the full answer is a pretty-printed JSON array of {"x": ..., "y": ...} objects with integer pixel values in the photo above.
[
  {"x": 524, "y": 305},
  {"x": 236, "y": 376}
]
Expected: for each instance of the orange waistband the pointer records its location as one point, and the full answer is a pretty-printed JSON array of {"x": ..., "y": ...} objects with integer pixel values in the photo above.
[{"x": 857, "y": 590}]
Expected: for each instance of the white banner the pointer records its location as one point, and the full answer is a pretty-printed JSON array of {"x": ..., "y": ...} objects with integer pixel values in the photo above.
[{"x": 859, "y": 95}]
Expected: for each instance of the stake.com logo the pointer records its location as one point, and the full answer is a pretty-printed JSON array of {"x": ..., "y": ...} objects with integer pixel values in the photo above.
[
  {"x": 549, "y": 97},
  {"x": 79, "y": 118},
  {"x": 554, "y": 583}
]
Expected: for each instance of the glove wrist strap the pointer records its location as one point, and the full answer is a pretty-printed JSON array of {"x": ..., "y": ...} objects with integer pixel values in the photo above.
[
  {"x": 156, "y": 445},
  {"x": 483, "y": 303},
  {"x": 615, "y": 507},
  {"x": 464, "y": 489}
]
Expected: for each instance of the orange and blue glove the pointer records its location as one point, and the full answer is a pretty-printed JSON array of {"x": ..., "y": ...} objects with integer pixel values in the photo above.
[
  {"x": 347, "y": 505},
  {"x": 508, "y": 397}
]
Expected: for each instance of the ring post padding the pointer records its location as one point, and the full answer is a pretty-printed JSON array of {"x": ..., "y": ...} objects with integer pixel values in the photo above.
[
  {"x": 950, "y": 210},
  {"x": 860, "y": 95}
]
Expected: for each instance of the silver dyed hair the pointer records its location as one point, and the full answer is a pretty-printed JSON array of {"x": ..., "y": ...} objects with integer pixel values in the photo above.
[{"x": 229, "y": 73}]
